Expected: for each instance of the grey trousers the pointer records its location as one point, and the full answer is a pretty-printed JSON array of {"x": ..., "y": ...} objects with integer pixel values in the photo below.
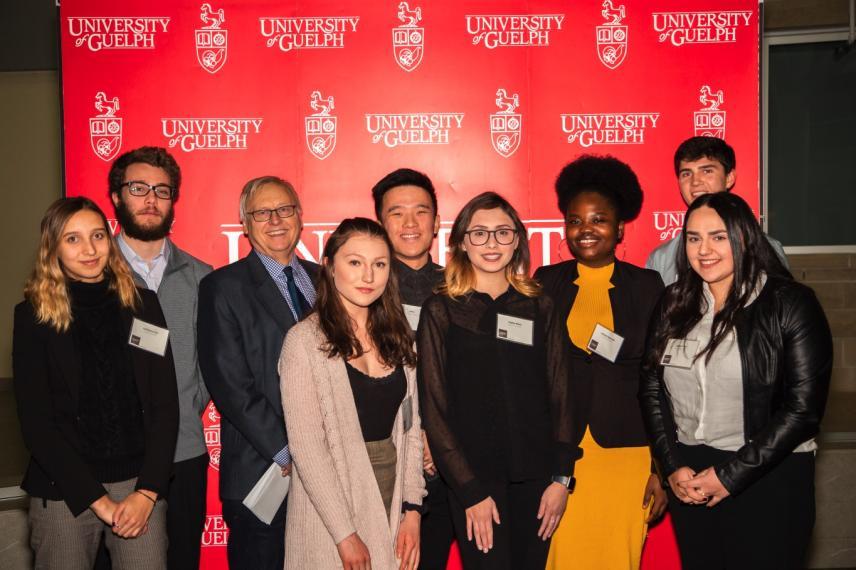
[{"x": 61, "y": 541}]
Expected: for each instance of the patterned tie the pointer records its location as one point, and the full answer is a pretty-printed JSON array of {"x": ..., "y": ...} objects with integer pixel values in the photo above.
[{"x": 298, "y": 301}]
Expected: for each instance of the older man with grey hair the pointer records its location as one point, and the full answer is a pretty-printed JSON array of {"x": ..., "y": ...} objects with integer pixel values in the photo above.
[{"x": 245, "y": 311}]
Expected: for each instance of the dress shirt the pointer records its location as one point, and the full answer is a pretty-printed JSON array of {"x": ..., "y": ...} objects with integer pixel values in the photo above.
[
  {"x": 416, "y": 285},
  {"x": 151, "y": 271},
  {"x": 304, "y": 285},
  {"x": 707, "y": 399},
  {"x": 301, "y": 279}
]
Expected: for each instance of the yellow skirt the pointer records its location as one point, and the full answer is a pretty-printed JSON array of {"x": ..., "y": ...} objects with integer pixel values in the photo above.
[{"x": 604, "y": 525}]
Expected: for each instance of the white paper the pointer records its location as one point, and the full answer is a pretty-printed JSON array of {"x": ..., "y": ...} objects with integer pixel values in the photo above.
[
  {"x": 514, "y": 329},
  {"x": 412, "y": 313},
  {"x": 605, "y": 342},
  {"x": 266, "y": 496},
  {"x": 149, "y": 337},
  {"x": 680, "y": 353}
]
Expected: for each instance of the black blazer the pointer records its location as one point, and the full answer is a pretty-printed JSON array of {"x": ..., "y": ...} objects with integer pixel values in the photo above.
[
  {"x": 604, "y": 394},
  {"x": 241, "y": 325},
  {"x": 47, "y": 372}
]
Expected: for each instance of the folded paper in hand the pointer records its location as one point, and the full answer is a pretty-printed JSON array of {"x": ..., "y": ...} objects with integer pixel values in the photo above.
[{"x": 267, "y": 494}]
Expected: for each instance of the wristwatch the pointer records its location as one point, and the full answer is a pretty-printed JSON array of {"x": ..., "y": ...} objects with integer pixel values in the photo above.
[{"x": 565, "y": 481}]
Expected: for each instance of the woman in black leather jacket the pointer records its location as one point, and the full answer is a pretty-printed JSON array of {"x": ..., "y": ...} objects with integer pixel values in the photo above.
[{"x": 733, "y": 390}]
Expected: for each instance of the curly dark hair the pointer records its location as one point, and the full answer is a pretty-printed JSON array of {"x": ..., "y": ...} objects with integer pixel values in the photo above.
[
  {"x": 606, "y": 175},
  {"x": 151, "y": 155},
  {"x": 695, "y": 148},
  {"x": 387, "y": 326}
]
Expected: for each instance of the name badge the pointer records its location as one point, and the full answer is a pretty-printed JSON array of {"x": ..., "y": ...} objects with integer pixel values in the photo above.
[
  {"x": 407, "y": 413},
  {"x": 149, "y": 337},
  {"x": 412, "y": 313},
  {"x": 514, "y": 329},
  {"x": 680, "y": 353},
  {"x": 605, "y": 343}
]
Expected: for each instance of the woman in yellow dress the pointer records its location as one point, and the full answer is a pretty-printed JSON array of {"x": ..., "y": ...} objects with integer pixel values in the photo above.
[{"x": 607, "y": 304}]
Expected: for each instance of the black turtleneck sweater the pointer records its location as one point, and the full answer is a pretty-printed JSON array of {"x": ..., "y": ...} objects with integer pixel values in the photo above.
[{"x": 109, "y": 413}]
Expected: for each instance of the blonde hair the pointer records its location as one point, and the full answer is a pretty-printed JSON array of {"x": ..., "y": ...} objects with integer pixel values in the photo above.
[
  {"x": 459, "y": 277},
  {"x": 47, "y": 290}
]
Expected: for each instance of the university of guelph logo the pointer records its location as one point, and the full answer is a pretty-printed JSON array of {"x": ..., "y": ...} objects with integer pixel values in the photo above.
[
  {"x": 612, "y": 36},
  {"x": 710, "y": 120},
  {"x": 408, "y": 39},
  {"x": 105, "y": 129},
  {"x": 211, "y": 41},
  {"x": 506, "y": 125},
  {"x": 212, "y": 435},
  {"x": 321, "y": 126}
]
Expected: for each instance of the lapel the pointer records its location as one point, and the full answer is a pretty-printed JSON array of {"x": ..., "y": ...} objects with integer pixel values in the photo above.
[
  {"x": 268, "y": 293},
  {"x": 620, "y": 297},
  {"x": 567, "y": 289},
  {"x": 175, "y": 260}
]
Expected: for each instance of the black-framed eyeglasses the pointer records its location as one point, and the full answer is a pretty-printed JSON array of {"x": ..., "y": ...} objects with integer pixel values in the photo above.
[
  {"x": 140, "y": 189},
  {"x": 503, "y": 236},
  {"x": 264, "y": 214}
]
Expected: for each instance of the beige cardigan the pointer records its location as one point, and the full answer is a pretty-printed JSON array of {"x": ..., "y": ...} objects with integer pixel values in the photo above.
[{"x": 333, "y": 489}]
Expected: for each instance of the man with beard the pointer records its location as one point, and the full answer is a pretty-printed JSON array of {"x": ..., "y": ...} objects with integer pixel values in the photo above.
[{"x": 144, "y": 185}]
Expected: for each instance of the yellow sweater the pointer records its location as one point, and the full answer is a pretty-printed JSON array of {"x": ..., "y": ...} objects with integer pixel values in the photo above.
[{"x": 592, "y": 304}]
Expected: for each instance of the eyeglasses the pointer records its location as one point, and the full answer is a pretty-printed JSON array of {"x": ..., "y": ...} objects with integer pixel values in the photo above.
[
  {"x": 503, "y": 236},
  {"x": 139, "y": 188},
  {"x": 264, "y": 214}
]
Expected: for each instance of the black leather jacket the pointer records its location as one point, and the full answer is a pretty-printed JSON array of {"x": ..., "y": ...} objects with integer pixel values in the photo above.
[{"x": 786, "y": 358}]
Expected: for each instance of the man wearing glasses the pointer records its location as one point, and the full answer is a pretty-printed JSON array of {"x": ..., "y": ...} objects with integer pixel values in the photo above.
[
  {"x": 144, "y": 185},
  {"x": 245, "y": 311}
]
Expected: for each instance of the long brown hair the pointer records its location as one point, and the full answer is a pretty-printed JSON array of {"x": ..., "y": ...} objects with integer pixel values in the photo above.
[
  {"x": 47, "y": 288},
  {"x": 459, "y": 277},
  {"x": 387, "y": 326},
  {"x": 684, "y": 303}
]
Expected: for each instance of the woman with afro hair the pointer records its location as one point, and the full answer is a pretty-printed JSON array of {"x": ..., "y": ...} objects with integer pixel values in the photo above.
[{"x": 606, "y": 304}]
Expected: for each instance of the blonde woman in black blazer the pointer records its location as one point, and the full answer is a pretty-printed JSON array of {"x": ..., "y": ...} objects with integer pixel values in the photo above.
[{"x": 98, "y": 413}]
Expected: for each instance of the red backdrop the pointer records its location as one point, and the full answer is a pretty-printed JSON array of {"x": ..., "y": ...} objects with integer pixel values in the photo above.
[{"x": 332, "y": 95}]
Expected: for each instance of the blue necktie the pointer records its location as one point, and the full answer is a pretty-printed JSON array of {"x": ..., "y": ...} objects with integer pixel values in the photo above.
[{"x": 298, "y": 302}]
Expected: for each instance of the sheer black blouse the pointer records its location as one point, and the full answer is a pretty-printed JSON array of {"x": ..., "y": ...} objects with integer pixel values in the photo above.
[{"x": 494, "y": 410}]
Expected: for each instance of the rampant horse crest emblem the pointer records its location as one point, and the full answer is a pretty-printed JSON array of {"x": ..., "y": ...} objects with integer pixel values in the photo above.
[
  {"x": 612, "y": 36},
  {"x": 709, "y": 121},
  {"x": 408, "y": 39},
  {"x": 211, "y": 41},
  {"x": 212, "y": 435},
  {"x": 506, "y": 125},
  {"x": 321, "y": 126},
  {"x": 105, "y": 129}
]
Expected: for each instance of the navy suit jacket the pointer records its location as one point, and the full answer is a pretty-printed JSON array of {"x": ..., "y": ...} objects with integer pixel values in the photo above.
[{"x": 242, "y": 322}]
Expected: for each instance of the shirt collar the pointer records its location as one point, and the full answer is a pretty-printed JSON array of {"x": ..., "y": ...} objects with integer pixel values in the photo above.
[
  {"x": 403, "y": 269},
  {"x": 274, "y": 267},
  {"x": 132, "y": 256}
]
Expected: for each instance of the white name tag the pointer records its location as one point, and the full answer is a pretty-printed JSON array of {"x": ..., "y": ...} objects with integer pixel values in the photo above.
[
  {"x": 680, "y": 353},
  {"x": 412, "y": 313},
  {"x": 407, "y": 413},
  {"x": 605, "y": 342},
  {"x": 149, "y": 337},
  {"x": 514, "y": 329}
]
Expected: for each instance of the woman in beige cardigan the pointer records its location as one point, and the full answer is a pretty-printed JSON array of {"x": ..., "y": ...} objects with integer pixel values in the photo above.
[{"x": 350, "y": 402}]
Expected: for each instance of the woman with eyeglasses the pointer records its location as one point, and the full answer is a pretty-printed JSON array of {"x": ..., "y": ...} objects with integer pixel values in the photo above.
[
  {"x": 97, "y": 399},
  {"x": 733, "y": 389},
  {"x": 604, "y": 305},
  {"x": 493, "y": 387}
]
